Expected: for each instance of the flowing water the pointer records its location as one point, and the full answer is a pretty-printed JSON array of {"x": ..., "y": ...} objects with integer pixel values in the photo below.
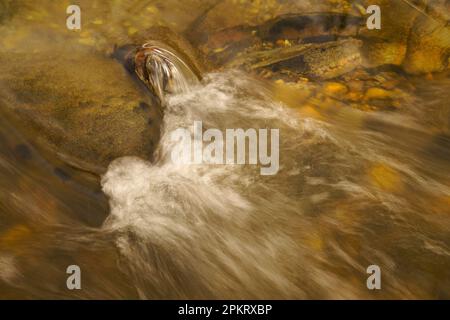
[
  {"x": 165, "y": 71},
  {"x": 353, "y": 189}
]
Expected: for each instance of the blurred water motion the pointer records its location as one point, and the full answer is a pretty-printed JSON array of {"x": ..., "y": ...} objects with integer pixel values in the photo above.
[{"x": 355, "y": 188}]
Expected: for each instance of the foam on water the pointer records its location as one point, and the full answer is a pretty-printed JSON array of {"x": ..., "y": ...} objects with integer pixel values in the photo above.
[{"x": 225, "y": 231}]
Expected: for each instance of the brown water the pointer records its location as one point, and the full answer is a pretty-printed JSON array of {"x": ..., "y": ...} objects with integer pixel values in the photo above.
[{"x": 354, "y": 188}]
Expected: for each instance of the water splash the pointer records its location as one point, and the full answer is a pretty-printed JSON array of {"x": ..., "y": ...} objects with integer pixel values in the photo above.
[
  {"x": 162, "y": 70},
  {"x": 215, "y": 231}
]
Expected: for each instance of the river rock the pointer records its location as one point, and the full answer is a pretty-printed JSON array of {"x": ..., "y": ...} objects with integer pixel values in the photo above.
[{"x": 83, "y": 107}]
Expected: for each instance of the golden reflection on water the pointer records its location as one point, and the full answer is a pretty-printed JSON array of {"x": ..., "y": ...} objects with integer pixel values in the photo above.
[{"x": 51, "y": 212}]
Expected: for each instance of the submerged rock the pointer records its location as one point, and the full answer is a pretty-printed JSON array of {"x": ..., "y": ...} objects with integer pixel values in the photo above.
[
  {"x": 231, "y": 14},
  {"x": 414, "y": 35},
  {"x": 64, "y": 91},
  {"x": 226, "y": 45},
  {"x": 316, "y": 61},
  {"x": 428, "y": 47},
  {"x": 83, "y": 106}
]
